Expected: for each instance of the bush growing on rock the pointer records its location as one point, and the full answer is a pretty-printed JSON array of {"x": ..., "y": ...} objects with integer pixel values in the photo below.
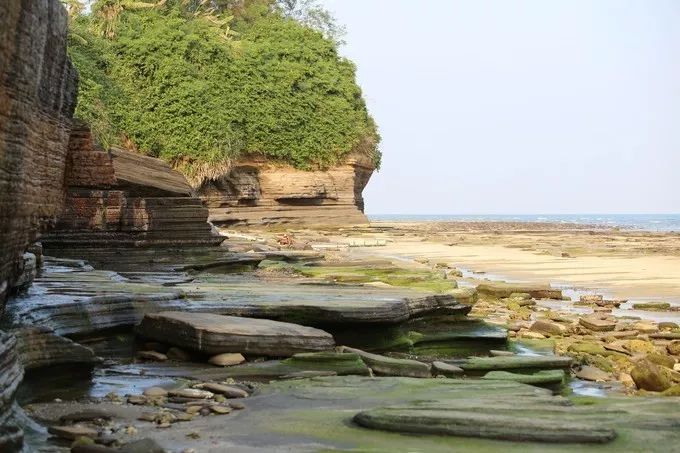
[{"x": 199, "y": 87}]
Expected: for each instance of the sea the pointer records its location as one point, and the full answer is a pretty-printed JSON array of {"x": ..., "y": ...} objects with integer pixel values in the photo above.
[{"x": 646, "y": 222}]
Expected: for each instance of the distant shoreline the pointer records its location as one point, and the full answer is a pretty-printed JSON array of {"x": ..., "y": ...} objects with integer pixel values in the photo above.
[{"x": 640, "y": 222}]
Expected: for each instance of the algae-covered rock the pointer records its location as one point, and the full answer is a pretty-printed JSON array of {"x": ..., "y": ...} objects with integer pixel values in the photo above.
[
  {"x": 662, "y": 360},
  {"x": 649, "y": 376},
  {"x": 473, "y": 423},
  {"x": 543, "y": 377},
  {"x": 674, "y": 347},
  {"x": 597, "y": 324},
  {"x": 652, "y": 306},
  {"x": 548, "y": 327},
  {"x": 516, "y": 362},
  {"x": 446, "y": 369},
  {"x": 341, "y": 363},
  {"x": 504, "y": 289},
  {"x": 587, "y": 347},
  {"x": 388, "y": 366}
]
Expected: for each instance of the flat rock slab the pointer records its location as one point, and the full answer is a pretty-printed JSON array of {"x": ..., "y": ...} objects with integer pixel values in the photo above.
[
  {"x": 471, "y": 423},
  {"x": 504, "y": 289},
  {"x": 597, "y": 325},
  {"x": 516, "y": 363},
  {"x": 216, "y": 334},
  {"x": 389, "y": 366},
  {"x": 544, "y": 377}
]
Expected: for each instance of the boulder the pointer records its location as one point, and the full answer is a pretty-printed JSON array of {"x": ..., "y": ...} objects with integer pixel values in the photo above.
[
  {"x": 649, "y": 376},
  {"x": 216, "y": 334},
  {"x": 226, "y": 359},
  {"x": 548, "y": 328},
  {"x": 597, "y": 325},
  {"x": 674, "y": 347}
]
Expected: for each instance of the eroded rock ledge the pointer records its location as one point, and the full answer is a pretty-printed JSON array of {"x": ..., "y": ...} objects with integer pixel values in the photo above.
[
  {"x": 117, "y": 199},
  {"x": 262, "y": 193}
]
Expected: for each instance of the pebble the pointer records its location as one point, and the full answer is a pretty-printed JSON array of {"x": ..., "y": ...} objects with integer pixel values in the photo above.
[{"x": 220, "y": 409}]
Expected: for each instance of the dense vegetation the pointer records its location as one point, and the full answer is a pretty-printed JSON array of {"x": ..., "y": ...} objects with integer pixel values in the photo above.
[{"x": 199, "y": 83}]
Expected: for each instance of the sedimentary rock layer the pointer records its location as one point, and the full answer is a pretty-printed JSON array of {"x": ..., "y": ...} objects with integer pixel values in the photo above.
[
  {"x": 215, "y": 334},
  {"x": 39, "y": 348},
  {"x": 11, "y": 374},
  {"x": 37, "y": 99},
  {"x": 262, "y": 193},
  {"x": 120, "y": 199}
]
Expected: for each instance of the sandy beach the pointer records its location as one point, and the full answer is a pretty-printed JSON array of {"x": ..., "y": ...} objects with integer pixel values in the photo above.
[{"x": 624, "y": 264}]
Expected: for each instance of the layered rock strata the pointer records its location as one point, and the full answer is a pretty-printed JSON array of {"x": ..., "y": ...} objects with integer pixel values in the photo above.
[
  {"x": 11, "y": 374},
  {"x": 261, "y": 193},
  {"x": 118, "y": 199},
  {"x": 37, "y": 99}
]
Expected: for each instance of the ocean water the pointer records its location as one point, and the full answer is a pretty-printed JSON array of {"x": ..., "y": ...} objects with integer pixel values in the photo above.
[{"x": 647, "y": 222}]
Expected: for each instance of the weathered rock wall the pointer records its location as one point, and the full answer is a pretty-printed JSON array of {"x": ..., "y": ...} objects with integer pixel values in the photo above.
[
  {"x": 37, "y": 98},
  {"x": 117, "y": 199},
  {"x": 262, "y": 193}
]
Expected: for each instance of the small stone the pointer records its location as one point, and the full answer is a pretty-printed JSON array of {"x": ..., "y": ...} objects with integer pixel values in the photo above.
[
  {"x": 204, "y": 411},
  {"x": 548, "y": 328},
  {"x": 220, "y": 409},
  {"x": 674, "y": 347},
  {"x": 191, "y": 393},
  {"x": 136, "y": 399},
  {"x": 652, "y": 306},
  {"x": 152, "y": 355},
  {"x": 591, "y": 373},
  {"x": 237, "y": 405},
  {"x": 193, "y": 409},
  {"x": 226, "y": 359},
  {"x": 179, "y": 355},
  {"x": 154, "y": 392},
  {"x": 130, "y": 430},
  {"x": 164, "y": 425},
  {"x": 147, "y": 417},
  {"x": 72, "y": 432},
  {"x": 531, "y": 335},
  {"x": 627, "y": 380},
  {"x": 142, "y": 446},
  {"x": 193, "y": 435}
]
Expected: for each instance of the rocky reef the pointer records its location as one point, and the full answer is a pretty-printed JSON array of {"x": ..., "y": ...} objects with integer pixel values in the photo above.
[
  {"x": 37, "y": 99},
  {"x": 258, "y": 192}
]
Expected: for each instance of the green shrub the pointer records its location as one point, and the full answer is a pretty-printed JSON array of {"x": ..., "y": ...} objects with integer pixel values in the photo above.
[{"x": 178, "y": 84}]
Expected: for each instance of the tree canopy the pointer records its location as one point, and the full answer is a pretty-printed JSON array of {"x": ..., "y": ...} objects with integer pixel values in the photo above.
[{"x": 200, "y": 83}]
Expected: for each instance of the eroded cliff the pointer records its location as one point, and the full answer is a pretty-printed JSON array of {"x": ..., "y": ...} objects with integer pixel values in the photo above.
[
  {"x": 37, "y": 99},
  {"x": 258, "y": 192}
]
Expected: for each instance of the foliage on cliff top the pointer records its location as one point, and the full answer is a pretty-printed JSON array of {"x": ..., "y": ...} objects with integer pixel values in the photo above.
[{"x": 200, "y": 86}]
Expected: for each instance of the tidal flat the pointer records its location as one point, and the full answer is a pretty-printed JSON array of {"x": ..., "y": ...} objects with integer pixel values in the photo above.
[{"x": 383, "y": 338}]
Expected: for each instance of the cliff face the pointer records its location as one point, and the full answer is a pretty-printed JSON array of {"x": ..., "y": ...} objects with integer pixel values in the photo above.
[
  {"x": 261, "y": 193},
  {"x": 118, "y": 199},
  {"x": 37, "y": 99}
]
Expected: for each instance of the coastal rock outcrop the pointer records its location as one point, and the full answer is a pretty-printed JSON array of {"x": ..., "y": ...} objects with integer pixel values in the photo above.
[
  {"x": 119, "y": 199},
  {"x": 37, "y": 100},
  {"x": 215, "y": 334},
  {"x": 258, "y": 192}
]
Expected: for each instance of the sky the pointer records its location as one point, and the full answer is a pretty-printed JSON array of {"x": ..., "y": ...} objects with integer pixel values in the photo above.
[{"x": 520, "y": 106}]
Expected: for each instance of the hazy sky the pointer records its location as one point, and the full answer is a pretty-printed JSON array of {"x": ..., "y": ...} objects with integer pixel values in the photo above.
[{"x": 514, "y": 106}]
